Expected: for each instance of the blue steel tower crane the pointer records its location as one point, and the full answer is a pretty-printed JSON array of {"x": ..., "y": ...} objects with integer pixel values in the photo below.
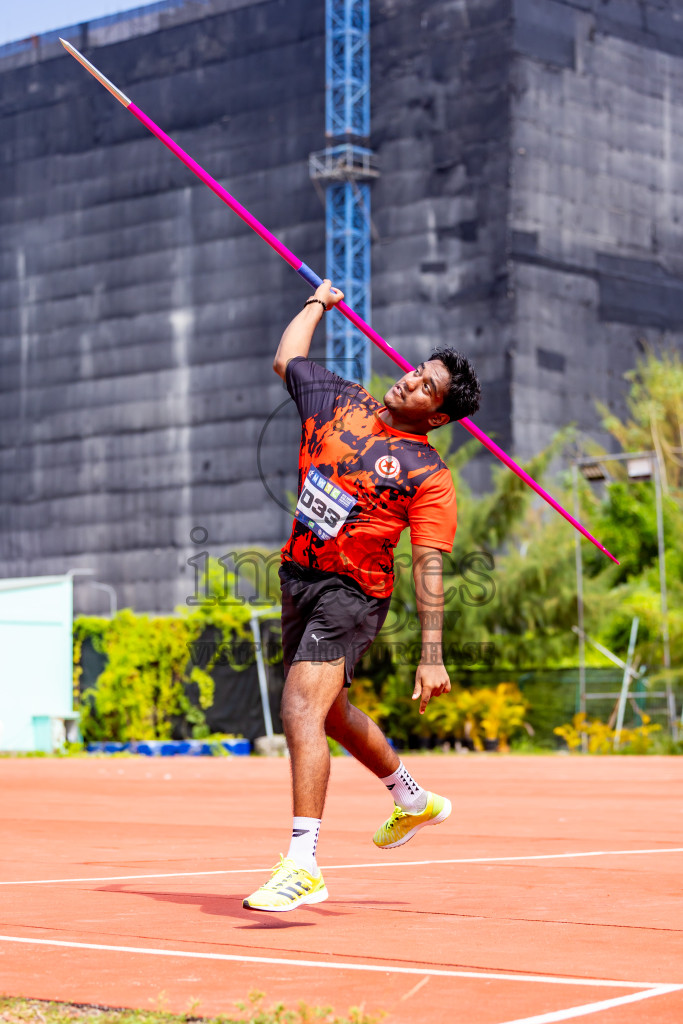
[{"x": 346, "y": 168}]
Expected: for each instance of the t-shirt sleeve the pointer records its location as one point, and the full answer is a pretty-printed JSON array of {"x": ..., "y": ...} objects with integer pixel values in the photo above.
[
  {"x": 433, "y": 512},
  {"x": 313, "y": 388}
]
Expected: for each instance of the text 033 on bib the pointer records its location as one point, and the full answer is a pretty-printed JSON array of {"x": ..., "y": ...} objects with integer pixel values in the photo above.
[{"x": 323, "y": 506}]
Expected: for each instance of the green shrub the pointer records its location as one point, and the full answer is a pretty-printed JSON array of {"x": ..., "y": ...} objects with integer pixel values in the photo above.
[{"x": 143, "y": 687}]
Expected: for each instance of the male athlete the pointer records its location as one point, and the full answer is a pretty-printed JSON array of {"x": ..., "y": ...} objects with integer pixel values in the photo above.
[{"x": 366, "y": 471}]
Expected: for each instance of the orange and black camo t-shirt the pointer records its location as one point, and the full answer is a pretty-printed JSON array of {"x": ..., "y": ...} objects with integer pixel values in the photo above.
[{"x": 361, "y": 483}]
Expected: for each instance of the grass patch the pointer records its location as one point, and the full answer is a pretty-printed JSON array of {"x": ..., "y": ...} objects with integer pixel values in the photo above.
[{"x": 250, "y": 1011}]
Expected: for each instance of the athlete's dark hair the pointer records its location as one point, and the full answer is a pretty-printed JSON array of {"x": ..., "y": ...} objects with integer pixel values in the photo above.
[{"x": 464, "y": 391}]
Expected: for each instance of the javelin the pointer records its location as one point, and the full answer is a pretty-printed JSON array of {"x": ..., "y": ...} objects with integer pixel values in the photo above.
[{"x": 313, "y": 279}]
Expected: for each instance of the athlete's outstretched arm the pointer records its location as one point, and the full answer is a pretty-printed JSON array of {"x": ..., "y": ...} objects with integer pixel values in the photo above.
[
  {"x": 298, "y": 335},
  {"x": 431, "y": 678}
]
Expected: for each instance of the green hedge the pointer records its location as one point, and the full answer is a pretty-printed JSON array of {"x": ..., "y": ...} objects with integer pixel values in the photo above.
[{"x": 143, "y": 686}]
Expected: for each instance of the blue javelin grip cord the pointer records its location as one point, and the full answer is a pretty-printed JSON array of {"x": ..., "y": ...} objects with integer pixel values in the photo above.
[{"x": 309, "y": 275}]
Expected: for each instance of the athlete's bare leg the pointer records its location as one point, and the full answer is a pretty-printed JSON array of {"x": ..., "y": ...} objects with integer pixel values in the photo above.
[
  {"x": 310, "y": 691},
  {"x": 361, "y": 737}
]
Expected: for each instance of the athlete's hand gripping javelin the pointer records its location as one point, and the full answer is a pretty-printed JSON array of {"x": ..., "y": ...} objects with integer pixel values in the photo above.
[{"x": 296, "y": 340}]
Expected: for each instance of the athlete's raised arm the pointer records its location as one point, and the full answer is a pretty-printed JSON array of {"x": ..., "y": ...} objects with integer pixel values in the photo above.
[{"x": 296, "y": 340}]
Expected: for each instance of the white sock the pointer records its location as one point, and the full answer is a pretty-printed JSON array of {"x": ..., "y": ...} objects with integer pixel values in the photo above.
[
  {"x": 304, "y": 841},
  {"x": 407, "y": 793}
]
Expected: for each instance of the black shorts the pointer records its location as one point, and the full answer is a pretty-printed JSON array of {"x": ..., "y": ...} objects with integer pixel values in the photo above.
[{"x": 327, "y": 616}]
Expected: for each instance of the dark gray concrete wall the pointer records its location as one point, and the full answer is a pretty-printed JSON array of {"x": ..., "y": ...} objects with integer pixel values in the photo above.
[
  {"x": 138, "y": 315},
  {"x": 596, "y": 206},
  {"x": 441, "y": 126},
  {"x": 528, "y": 212}
]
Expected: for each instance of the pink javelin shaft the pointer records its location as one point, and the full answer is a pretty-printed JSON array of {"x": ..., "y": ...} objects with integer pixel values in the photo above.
[{"x": 314, "y": 280}]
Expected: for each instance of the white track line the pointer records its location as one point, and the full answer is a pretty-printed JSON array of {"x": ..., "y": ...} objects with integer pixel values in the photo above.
[
  {"x": 327, "y": 965},
  {"x": 588, "y": 1008},
  {"x": 353, "y": 867},
  {"x": 350, "y": 867}
]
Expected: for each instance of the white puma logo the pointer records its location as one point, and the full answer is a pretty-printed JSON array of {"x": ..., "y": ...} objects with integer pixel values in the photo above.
[{"x": 316, "y": 638}]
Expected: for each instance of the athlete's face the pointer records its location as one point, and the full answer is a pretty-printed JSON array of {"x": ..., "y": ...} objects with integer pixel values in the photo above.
[{"x": 417, "y": 397}]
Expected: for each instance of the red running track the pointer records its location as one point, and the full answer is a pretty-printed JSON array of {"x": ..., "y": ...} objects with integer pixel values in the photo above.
[{"x": 552, "y": 893}]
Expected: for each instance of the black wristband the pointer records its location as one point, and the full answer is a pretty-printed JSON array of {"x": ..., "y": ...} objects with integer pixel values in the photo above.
[{"x": 309, "y": 301}]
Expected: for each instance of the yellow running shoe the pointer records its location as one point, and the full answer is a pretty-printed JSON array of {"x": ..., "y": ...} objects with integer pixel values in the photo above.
[
  {"x": 288, "y": 888},
  {"x": 402, "y": 826}
]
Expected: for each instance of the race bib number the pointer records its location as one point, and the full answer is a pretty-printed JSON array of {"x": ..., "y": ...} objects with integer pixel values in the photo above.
[{"x": 323, "y": 506}]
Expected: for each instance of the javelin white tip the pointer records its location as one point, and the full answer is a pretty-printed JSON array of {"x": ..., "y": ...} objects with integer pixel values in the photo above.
[{"x": 102, "y": 79}]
